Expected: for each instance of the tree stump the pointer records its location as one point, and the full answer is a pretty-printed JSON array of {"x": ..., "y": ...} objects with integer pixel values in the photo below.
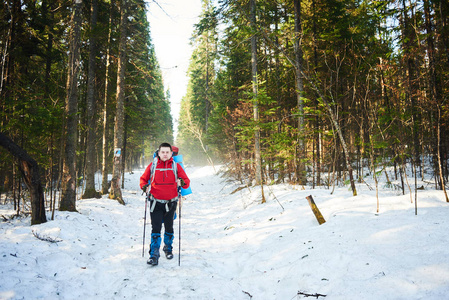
[{"x": 315, "y": 210}]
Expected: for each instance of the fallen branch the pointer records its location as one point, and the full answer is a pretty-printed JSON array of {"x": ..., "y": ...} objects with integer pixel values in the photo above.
[
  {"x": 250, "y": 296},
  {"x": 311, "y": 295},
  {"x": 45, "y": 238}
]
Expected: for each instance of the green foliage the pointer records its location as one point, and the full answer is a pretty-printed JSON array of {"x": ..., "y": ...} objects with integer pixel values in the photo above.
[
  {"x": 352, "y": 53},
  {"x": 384, "y": 75},
  {"x": 32, "y": 97}
]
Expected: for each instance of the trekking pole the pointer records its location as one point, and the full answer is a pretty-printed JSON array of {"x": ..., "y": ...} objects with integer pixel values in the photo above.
[
  {"x": 179, "y": 202},
  {"x": 144, "y": 225}
]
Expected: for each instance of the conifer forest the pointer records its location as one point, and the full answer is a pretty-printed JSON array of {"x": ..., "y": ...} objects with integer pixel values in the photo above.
[{"x": 312, "y": 92}]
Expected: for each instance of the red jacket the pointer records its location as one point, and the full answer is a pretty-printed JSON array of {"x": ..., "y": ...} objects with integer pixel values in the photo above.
[{"x": 164, "y": 185}]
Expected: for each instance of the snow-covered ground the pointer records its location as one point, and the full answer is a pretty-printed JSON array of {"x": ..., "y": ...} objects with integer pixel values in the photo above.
[{"x": 233, "y": 247}]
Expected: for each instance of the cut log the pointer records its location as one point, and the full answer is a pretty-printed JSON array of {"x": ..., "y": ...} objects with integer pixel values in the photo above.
[{"x": 315, "y": 210}]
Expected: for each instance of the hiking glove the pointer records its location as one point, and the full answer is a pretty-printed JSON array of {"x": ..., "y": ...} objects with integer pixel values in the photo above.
[
  {"x": 144, "y": 188},
  {"x": 182, "y": 182}
]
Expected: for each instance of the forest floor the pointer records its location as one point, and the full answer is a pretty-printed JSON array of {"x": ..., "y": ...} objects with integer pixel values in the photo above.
[{"x": 234, "y": 247}]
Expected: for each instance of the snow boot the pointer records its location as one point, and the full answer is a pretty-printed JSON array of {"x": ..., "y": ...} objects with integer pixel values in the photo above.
[
  {"x": 153, "y": 261},
  {"x": 168, "y": 247},
  {"x": 154, "y": 249}
]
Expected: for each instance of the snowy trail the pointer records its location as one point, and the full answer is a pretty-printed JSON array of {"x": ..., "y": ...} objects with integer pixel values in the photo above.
[{"x": 235, "y": 248}]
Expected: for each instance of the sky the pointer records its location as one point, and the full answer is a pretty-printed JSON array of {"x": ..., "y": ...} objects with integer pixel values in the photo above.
[{"x": 171, "y": 30}]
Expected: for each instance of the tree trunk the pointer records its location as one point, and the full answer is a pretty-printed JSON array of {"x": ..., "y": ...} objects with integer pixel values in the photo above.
[
  {"x": 443, "y": 186},
  {"x": 434, "y": 90},
  {"x": 91, "y": 164},
  {"x": 104, "y": 171},
  {"x": 317, "y": 118},
  {"x": 206, "y": 96},
  {"x": 68, "y": 197},
  {"x": 49, "y": 47},
  {"x": 116, "y": 192},
  {"x": 371, "y": 120},
  {"x": 30, "y": 171},
  {"x": 124, "y": 151},
  {"x": 300, "y": 155},
  {"x": 256, "y": 102},
  {"x": 409, "y": 41}
]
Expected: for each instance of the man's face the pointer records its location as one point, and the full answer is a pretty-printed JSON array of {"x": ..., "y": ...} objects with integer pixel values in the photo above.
[{"x": 165, "y": 153}]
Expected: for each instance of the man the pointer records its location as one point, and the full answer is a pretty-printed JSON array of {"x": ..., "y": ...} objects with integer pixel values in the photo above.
[{"x": 163, "y": 197}]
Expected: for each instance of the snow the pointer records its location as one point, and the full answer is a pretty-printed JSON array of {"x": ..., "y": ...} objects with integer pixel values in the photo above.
[{"x": 233, "y": 247}]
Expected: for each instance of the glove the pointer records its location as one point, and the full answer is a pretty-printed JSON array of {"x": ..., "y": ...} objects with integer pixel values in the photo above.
[
  {"x": 182, "y": 182},
  {"x": 144, "y": 188}
]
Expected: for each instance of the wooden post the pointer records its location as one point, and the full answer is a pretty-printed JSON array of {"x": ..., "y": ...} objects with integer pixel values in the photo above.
[{"x": 315, "y": 210}]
